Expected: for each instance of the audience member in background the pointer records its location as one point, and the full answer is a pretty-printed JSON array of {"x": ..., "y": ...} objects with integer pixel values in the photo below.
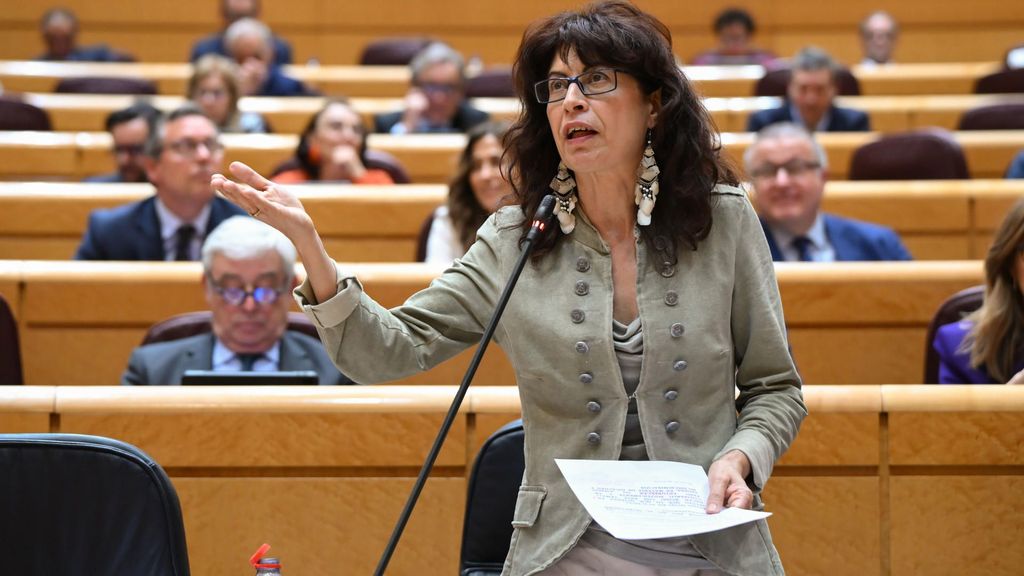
[
  {"x": 474, "y": 193},
  {"x": 129, "y": 128},
  {"x": 1016, "y": 169},
  {"x": 248, "y": 275},
  {"x": 735, "y": 30},
  {"x": 230, "y": 11},
  {"x": 878, "y": 35},
  {"x": 182, "y": 153},
  {"x": 59, "y": 27},
  {"x": 250, "y": 45},
  {"x": 810, "y": 95},
  {"x": 987, "y": 347},
  {"x": 436, "y": 100},
  {"x": 788, "y": 169},
  {"x": 214, "y": 88},
  {"x": 332, "y": 148}
]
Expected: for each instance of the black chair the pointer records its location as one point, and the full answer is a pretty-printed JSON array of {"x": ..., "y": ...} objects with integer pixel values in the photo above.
[
  {"x": 1004, "y": 82},
  {"x": 491, "y": 501},
  {"x": 193, "y": 323},
  {"x": 952, "y": 310},
  {"x": 18, "y": 115},
  {"x": 923, "y": 155},
  {"x": 75, "y": 505},
  {"x": 102, "y": 85},
  {"x": 382, "y": 160},
  {"x": 10, "y": 350},
  {"x": 995, "y": 117},
  {"x": 422, "y": 236},
  {"x": 775, "y": 82},
  {"x": 392, "y": 51},
  {"x": 491, "y": 83}
]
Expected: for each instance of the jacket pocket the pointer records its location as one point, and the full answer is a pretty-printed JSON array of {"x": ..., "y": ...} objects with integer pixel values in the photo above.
[{"x": 528, "y": 506}]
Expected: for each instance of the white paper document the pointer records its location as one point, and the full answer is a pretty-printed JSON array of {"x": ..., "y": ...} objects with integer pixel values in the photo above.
[{"x": 648, "y": 499}]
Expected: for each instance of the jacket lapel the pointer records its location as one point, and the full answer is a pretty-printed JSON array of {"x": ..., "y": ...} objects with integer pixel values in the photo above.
[{"x": 151, "y": 245}]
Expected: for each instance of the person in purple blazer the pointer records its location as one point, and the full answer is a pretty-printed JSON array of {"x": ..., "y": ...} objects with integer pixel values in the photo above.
[
  {"x": 987, "y": 347},
  {"x": 810, "y": 97},
  {"x": 788, "y": 169}
]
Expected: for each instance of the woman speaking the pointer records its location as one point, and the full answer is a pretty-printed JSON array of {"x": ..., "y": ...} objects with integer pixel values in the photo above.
[{"x": 635, "y": 324}]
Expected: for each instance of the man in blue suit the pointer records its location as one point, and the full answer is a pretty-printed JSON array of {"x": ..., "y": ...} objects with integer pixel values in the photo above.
[
  {"x": 182, "y": 153},
  {"x": 250, "y": 44},
  {"x": 232, "y": 11},
  {"x": 788, "y": 169},
  {"x": 809, "y": 98}
]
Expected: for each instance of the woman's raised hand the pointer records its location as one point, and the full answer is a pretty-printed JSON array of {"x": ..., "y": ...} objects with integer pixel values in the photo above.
[{"x": 265, "y": 201}]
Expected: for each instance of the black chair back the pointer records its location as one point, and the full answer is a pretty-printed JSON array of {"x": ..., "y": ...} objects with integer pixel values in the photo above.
[
  {"x": 491, "y": 83},
  {"x": 101, "y": 85},
  {"x": 952, "y": 310},
  {"x": 10, "y": 349},
  {"x": 491, "y": 501},
  {"x": 193, "y": 323},
  {"x": 924, "y": 155},
  {"x": 775, "y": 82},
  {"x": 18, "y": 115},
  {"x": 75, "y": 505},
  {"x": 995, "y": 117},
  {"x": 1004, "y": 82},
  {"x": 392, "y": 51}
]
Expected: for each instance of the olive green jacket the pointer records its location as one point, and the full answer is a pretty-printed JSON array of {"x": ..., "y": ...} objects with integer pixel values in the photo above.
[{"x": 712, "y": 322}]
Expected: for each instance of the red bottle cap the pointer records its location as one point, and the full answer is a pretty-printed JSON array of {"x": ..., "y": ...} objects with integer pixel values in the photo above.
[{"x": 255, "y": 558}]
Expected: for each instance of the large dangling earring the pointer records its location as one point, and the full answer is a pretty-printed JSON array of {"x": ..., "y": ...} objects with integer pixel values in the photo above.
[
  {"x": 564, "y": 186},
  {"x": 646, "y": 184}
]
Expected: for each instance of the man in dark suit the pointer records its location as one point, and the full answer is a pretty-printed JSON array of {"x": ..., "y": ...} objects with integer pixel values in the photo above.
[
  {"x": 788, "y": 170},
  {"x": 436, "y": 101},
  {"x": 182, "y": 153},
  {"x": 231, "y": 11},
  {"x": 810, "y": 98},
  {"x": 129, "y": 128},
  {"x": 59, "y": 27},
  {"x": 250, "y": 44},
  {"x": 248, "y": 274}
]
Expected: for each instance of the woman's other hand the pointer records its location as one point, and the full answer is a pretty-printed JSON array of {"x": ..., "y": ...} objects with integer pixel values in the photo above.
[{"x": 727, "y": 481}]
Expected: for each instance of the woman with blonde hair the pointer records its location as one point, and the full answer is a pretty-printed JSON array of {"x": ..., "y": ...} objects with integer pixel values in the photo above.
[
  {"x": 215, "y": 89},
  {"x": 987, "y": 347}
]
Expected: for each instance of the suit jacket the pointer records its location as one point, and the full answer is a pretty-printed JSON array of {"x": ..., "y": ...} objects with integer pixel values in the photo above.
[
  {"x": 852, "y": 240},
  {"x": 841, "y": 120},
  {"x": 279, "y": 84},
  {"x": 214, "y": 44},
  {"x": 132, "y": 231},
  {"x": 96, "y": 53},
  {"x": 954, "y": 365},
  {"x": 108, "y": 178},
  {"x": 712, "y": 323},
  {"x": 164, "y": 363},
  {"x": 465, "y": 118}
]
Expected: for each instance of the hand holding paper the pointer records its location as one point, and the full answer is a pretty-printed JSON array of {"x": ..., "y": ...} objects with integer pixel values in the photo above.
[{"x": 643, "y": 500}]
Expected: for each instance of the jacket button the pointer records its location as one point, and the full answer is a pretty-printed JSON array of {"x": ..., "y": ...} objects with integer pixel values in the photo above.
[
  {"x": 594, "y": 438},
  {"x": 677, "y": 330},
  {"x": 582, "y": 347},
  {"x": 586, "y": 378},
  {"x": 671, "y": 298},
  {"x": 679, "y": 365},
  {"x": 660, "y": 243},
  {"x": 582, "y": 288},
  {"x": 594, "y": 406},
  {"x": 577, "y": 316},
  {"x": 672, "y": 426},
  {"x": 668, "y": 270},
  {"x": 582, "y": 264},
  {"x": 671, "y": 395}
]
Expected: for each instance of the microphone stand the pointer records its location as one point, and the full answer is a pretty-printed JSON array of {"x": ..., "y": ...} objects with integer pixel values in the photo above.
[{"x": 541, "y": 219}]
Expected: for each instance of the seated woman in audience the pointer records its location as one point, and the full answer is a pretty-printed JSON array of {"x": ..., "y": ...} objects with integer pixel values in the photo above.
[
  {"x": 735, "y": 30},
  {"x": 214, "y": 88},
  {"x": 987, "y": 347},
  {"x": 332, "y": 148},
  {"x": 473, "y": 194}
]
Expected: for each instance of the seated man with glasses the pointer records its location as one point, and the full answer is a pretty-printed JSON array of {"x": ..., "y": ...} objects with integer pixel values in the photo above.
[
  {"x": 249, "y": 272},
  {"x": 436, "y": 100},
  {"x": 788, "y": 170},
  {"x": 129, "y": 128},
  {"x": 180, "y": 155}
]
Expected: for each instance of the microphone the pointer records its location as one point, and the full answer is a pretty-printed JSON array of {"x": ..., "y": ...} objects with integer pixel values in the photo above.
[{"x": 541, "y": 220}]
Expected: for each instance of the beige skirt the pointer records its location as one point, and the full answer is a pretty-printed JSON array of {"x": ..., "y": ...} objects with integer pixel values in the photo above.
[{"x": 587, "y": 560}]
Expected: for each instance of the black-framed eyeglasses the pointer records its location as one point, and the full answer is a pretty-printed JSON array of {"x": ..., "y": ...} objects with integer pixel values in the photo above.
[
  {"x": 188, "y": 147},
  {"x": 236, "y": 296},
  {"x": 591, "y": 82},
  {"x": 793, "y": 168}
]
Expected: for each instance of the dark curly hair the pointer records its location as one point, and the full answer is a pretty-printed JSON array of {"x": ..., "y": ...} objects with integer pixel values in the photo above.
[
  {"x": 685, "y": 142},
  {"x": 463, "y": 208}
]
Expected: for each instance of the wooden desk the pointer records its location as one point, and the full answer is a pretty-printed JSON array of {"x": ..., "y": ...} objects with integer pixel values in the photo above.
[
  {"x": 848, "y": 322},
  {"x": 88, "y": 112},
  {"x": 881, "y": 480},
  {"x": 393, "y": 81},
  {"x": 429, "y": 158},
  {"x": 937, "y": 220}
]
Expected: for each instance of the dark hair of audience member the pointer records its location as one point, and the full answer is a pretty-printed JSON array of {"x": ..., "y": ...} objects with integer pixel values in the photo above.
[
  {"x": 463, "y": 208},
  {"x": 998, "y": 332},
  {"x": 304, "y": 153},
  {"x": 138, "y": 110},
  {"x": 735, "y": 16}
]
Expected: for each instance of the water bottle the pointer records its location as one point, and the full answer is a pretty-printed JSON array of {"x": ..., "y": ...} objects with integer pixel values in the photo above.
[{"x": 265, "y": 565}]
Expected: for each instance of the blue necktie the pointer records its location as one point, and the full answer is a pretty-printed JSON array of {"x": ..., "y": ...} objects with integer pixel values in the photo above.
[
  {"x": 248, "y": 361},
  {"x": 803, "y": 248}
]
